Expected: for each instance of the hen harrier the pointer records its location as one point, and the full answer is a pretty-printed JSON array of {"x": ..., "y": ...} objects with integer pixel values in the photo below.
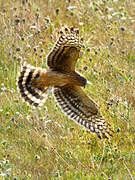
[{"x": 66, "y": 82}]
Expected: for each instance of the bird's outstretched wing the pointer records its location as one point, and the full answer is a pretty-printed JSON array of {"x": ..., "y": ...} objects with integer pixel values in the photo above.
[
  {"x": 66, "y": 51},
  {"x": 79, "y": 107}
]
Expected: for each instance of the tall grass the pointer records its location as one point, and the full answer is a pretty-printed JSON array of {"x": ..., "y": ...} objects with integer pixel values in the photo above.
[{"x": 43, "y": 143}]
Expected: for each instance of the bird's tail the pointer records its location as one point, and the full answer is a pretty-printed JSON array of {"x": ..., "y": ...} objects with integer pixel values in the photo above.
[{"x": 33, "y": 95}]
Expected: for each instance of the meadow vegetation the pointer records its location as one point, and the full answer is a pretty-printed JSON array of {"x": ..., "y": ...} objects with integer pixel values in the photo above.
[{"x": 44, "y": 143}]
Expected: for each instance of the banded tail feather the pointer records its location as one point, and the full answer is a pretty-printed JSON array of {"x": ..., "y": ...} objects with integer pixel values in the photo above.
[
  {"x": 34, "y": 96},
  {"x": 73, "y": 108}
]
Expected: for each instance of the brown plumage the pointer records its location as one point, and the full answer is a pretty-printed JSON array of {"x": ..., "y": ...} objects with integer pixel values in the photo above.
[{"x": 66, "y": 82}]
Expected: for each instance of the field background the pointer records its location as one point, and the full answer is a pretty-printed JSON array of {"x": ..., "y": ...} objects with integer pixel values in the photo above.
[{"x": 43, "y": 143}]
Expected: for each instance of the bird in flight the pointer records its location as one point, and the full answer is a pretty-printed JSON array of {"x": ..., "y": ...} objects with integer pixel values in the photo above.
[{"x": 67, "y": 84}]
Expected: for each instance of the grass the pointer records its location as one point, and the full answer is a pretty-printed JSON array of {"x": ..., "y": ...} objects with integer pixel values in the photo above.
[{"x": 43, "y": 143}]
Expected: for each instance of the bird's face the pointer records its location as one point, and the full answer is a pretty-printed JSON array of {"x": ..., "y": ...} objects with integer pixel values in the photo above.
[
  {"x": 84, "y": 82},
  {"x": 81, "y": 80}
]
